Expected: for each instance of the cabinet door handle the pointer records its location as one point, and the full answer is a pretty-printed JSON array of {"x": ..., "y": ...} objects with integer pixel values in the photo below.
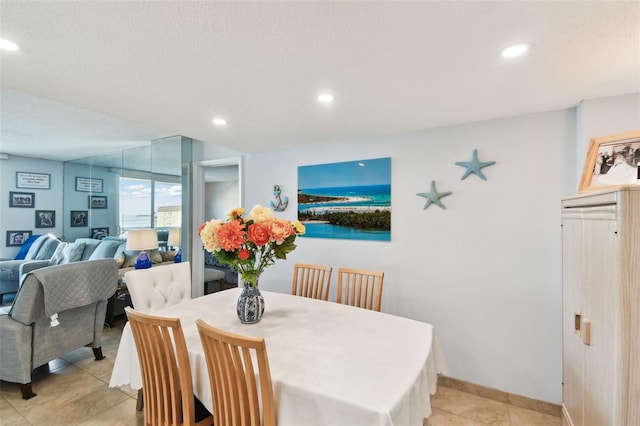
[
  {"x": 586, "y": 332},
  {"x": 576, "y": 323}
]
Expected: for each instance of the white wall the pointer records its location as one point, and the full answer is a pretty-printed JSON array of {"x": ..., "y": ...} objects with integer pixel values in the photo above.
[
  {"x": 220, "y": 198},
  {"x": 486, "y": 271}
]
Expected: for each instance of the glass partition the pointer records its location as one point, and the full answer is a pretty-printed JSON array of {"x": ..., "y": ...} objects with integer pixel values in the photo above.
[{"x": 145, "y": 187}]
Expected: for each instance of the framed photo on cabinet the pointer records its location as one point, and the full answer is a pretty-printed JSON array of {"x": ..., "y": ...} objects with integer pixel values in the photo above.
[{"x": 612, "y": 161}]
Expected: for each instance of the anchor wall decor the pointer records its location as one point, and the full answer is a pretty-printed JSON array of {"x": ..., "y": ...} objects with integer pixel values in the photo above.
[{"x": 281, "y": 204}]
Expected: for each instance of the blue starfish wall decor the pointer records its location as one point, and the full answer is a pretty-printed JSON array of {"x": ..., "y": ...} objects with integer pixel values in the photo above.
[
  {"x": 474, "y": 166},
  {"x": 434, "y": 196}
]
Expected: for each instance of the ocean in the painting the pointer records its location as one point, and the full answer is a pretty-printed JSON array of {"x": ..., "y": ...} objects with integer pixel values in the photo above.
[{"x": 367, "y": 198}]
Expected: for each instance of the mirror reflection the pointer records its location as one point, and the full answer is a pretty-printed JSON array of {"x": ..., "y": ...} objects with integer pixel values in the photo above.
[{"x": 109, "y": 195}]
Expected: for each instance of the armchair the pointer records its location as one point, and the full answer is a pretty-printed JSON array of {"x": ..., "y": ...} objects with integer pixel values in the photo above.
[{"x": 57, "y": 309}]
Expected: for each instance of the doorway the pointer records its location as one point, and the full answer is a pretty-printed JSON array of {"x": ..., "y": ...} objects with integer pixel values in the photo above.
[{"x": 217, "y": 188}]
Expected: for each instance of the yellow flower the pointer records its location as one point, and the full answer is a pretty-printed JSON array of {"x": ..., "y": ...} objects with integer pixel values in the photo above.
[
  {"x": 235, "y": 213},
  {"x": 299, "y": 227},
  {"x": 260, "y": 214}
]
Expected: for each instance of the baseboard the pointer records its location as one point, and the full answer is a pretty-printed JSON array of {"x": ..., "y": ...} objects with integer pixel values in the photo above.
[{"x": 501, "y": 396}]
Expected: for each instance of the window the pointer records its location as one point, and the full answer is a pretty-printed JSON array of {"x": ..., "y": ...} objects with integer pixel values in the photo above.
[{"x": 147, "y": 203}]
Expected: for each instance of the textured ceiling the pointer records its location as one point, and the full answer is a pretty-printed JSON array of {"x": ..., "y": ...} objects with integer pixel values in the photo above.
[{"x": 94, "y": 76}]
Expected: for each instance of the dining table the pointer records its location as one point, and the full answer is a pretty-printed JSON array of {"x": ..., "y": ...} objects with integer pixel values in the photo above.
[{"x": 331, "y": 364}]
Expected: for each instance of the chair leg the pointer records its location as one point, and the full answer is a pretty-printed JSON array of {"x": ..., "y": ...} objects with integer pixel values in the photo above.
[
  {"x": 140, "y": 401},
  {"x": 27, "y": 392},
  {"x": 97, "y": 352}
]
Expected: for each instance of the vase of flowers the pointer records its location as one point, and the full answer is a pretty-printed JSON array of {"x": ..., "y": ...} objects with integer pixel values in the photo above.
[
  {"x": 250, "y": 245},
  {"x": 250, "y": 306}
]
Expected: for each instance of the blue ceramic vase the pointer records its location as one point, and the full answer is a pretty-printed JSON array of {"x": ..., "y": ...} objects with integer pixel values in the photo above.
[{"x": 250, "y": 305}]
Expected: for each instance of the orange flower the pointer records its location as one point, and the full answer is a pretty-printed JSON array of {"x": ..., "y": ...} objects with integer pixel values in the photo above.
[
  {"x": 231, "y": 235},
  {"x": 258, "y": 233},
  {"x": 280, "y": 230},
  {"x": 250, "y": 245}
]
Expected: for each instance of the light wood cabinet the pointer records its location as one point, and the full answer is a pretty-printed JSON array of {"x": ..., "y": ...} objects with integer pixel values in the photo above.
[{"x": 601, "y": 308}]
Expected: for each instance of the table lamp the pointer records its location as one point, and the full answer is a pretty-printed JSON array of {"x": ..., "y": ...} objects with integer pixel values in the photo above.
[
  {"x": 175, "y": 241},
  {"x": 142, "y": 239}
]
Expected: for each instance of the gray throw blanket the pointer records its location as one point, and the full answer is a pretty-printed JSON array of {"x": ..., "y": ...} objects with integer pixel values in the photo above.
[{"x": 77, "y": 284}]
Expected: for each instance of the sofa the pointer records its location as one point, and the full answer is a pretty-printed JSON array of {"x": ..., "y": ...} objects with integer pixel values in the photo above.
[
  {"x": 57, "y": 309},
  {"x": 47, "y": 251},
  {"x": 40, "y": 250}
]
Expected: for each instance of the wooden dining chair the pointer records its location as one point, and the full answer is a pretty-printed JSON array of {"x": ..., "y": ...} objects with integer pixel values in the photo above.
[
  {"x": 311, "y": 281},
  {"x": 166, "y": 372},
  {"x": 233, "y": 380},
  {"x": 361, "y": 288}
]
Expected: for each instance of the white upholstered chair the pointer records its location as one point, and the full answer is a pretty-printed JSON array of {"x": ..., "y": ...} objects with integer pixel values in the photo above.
[{"x": 154, "y": 288}]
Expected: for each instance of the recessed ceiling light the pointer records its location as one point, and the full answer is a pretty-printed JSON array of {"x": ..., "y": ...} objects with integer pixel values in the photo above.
[
  {"x": 325, "y": 98},
  {"x": 514, "y": 51},
  {"x": 7, "y": 45},
  {"x": 219, "y": 121}
]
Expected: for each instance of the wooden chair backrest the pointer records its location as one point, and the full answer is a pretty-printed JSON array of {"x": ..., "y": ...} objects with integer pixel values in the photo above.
[
  {"x": 233, "y": 379},
  {"x": 311, "y": 281},
  {"x": 166, "y": 372},
  {"x": 361, "y": 288}
]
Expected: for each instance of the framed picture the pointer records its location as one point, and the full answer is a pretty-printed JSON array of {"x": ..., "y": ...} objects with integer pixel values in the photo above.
[
  {"x": 84, "y": 184},
  {"x": 99, "y": 233},
  {"x": 16, "y": 238},
  {"x": 97, "y": 202},
  {"x": 33, "y": 180},
  {"x": 22, "y": 199},
  {"x": 348, "y": 200},
  {"x": 611, "y": 161},
  {"x": 45, "y": 218},
  {"x": 79, "y": 218}
]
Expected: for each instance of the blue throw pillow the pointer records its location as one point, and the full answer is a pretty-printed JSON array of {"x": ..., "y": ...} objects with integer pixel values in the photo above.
[{"x": 25, "y": 247}]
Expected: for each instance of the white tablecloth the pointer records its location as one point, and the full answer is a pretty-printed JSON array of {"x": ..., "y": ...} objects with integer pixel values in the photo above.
[{"x": 331, "y": 364}]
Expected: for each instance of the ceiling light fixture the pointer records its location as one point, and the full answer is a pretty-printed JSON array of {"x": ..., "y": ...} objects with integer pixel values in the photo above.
[
  {"x": 325, "y": 98},
  {"x": 7, "y": 45},
  {"x": 514, "y": 51},
  {"x": 219, "y": 121}
]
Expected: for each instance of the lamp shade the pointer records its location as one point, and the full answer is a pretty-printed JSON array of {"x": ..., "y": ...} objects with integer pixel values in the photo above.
[
  {"x": 174, "y": 237},
  {"x": 142, "y": 239}
]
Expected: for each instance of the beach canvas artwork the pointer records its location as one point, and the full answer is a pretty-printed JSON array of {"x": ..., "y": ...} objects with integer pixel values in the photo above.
[{"x": 349, "y": 200}]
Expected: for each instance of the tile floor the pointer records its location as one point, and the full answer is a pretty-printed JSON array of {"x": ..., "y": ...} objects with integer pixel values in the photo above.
[{"x": 74, "y": 390}]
